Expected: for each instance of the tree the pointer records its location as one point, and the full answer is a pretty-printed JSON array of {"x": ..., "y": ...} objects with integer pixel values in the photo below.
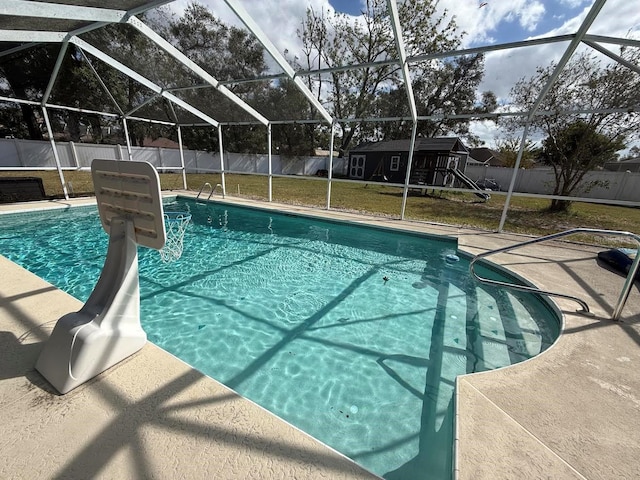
[
  {"x": 444, "y": 91},
  {"x": 227, "y": 53},
  {"x": 441, "y": 86},
  {"x": 26, "y": 75},
  {"x": 573, "y": 152},
  {"x": 588, "y": 104},
  {"x": 285, "y": 101},
  {"x": 509, "y": 147}
]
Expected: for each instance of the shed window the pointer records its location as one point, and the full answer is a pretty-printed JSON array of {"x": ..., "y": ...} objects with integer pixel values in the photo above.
[{"x": 394, "y": 166}]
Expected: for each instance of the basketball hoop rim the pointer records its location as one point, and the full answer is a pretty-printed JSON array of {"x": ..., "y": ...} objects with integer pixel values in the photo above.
[{"x": 177, "y": 216}]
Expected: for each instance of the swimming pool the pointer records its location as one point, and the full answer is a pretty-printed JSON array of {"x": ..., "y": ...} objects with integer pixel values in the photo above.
[{"x": 352, "y": 334}]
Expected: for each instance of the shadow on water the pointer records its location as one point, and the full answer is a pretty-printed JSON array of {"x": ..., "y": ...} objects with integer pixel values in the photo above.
[
  {"x": 435, "y": 456},
  {"x": 434, "y": 432}
]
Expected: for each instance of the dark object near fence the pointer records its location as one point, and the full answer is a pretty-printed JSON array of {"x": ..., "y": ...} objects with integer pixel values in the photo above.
[
  {"x": 21, "y": 189},
  {"x": 489, "y": 184}
]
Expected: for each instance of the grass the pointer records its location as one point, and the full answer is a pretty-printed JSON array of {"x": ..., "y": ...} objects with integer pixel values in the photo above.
[{"x": 526, "y": 215}]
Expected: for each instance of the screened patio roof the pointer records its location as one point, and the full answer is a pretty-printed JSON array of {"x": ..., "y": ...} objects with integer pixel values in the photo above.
[{"x": 192, "y": 96}]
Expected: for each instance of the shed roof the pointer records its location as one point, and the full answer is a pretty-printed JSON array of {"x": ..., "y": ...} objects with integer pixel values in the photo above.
[
  {"x": 435, "y": 144},
  {"x": 487, "y": 156},
  {"x": 622, "y": 165}
]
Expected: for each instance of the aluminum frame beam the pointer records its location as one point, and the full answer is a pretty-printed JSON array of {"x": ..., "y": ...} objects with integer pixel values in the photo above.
[
  {"x": 582, "y": 31},
  {"x": 613, "y": 56},
  {"x": 253, "y": 27},
  {"x": 447, "y": 54},
  {"x": 397, "y": 33},
  {"x": 140, "y": 79},
  {"x": 102, "y": 84},
  {"x": 61, "y": 11},
  {"x": 562, "y": 63},
  {"x": 195, "y": 68},
  {"x": 629, "y": 42},
  {"x": 28, "y": 8},
  {"x": 32, "y": 37}
]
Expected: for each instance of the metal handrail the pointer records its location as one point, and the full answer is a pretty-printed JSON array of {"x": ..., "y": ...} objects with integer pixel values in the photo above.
[
  {"x": 214, "y": 189},
  {"x": 202, "y": 188},
  {"x": 624, "y": 294}
]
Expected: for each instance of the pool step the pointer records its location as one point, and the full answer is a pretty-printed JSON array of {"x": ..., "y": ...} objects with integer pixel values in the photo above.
[{"x": 491, "y": 348}]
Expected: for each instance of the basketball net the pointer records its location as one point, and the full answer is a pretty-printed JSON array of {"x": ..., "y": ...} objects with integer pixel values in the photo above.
[{"x": 175, "y": 226}]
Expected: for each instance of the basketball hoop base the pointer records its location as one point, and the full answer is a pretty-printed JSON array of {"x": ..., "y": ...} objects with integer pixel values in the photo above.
[{"x": 107, "y": 328}]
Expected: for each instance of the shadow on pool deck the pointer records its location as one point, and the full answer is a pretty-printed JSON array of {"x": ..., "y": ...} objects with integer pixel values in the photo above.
[
  {"x": 570, "y": 413},
  {"x": 151, "y": 416}
]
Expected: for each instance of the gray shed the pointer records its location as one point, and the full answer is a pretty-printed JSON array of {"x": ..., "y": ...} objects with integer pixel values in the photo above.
[{"x": 433, "y": 161}]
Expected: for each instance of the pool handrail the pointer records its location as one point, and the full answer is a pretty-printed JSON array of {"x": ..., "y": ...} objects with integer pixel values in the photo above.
[
  {"x": 211, "y": 190},
  {"x": 624, "y": 294},
  {"x": 205, "y": 184}
]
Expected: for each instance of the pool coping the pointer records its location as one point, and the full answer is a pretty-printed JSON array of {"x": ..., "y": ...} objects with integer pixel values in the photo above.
[{"x": 569, "y": 413}]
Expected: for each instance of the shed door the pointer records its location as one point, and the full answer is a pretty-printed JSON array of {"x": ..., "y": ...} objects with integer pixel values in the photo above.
[{"x": 356, "y": 166}]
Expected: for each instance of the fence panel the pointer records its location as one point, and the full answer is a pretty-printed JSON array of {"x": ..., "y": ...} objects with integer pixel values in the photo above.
[
  {"x": 169, "y": 157},
  {"x": 9, "y": 154},
  {"x": 33, "y": 154},
  {"x": 146, "y": 154},
  {"x": 624, "y": 186},
  {"x": 86, "y": 152},
  {"x": 201, "y": 162},
  {"x": 238, "y": 162}
]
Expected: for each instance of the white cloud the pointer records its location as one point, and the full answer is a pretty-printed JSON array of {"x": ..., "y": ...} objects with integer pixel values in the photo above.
[
  {"x": 618, "y": 18},
  {"x": 504, "y": 68},
  {"x": 574, "y": 3},
  {"x": 481, "y": 23},
  {"x": 530, "y": 16},
  {"x": 486, "y": 131}
]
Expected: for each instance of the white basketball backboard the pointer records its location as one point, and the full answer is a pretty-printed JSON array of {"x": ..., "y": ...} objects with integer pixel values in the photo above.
[{"x": 130, "y": 191}]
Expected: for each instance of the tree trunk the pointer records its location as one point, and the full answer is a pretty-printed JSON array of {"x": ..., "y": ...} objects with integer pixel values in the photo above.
[
  {"x": 96, "y": 129},
  {"x": 73, "y": 126},
  {"x": 346, "y": 141},
  {"x": 559, "y": 205},
  {"x": 29, "y": 117}
]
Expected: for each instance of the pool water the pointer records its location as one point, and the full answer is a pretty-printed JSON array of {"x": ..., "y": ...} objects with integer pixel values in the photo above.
[{"x": 353, "y": 334}]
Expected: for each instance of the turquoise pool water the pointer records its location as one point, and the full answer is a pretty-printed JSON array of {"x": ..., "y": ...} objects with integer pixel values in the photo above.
[{"x": 353, "y": 334}]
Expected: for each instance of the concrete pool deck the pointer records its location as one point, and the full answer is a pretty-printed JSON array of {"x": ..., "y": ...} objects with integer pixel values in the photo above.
[{"x": 572, "y": 412}]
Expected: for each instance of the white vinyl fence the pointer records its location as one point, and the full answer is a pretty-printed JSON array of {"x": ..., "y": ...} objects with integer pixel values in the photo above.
[
  {"x": 37, "y": 155},
  {"x": 622, "y": 186},
  {"x": 32, "y": 154}
]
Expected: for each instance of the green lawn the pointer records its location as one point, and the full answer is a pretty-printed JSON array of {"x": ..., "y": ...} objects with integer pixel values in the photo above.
[{"x": 526, "y": 215}]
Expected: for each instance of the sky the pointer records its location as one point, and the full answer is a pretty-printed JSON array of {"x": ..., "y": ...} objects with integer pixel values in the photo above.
[{"x": 485, "y": 23}]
